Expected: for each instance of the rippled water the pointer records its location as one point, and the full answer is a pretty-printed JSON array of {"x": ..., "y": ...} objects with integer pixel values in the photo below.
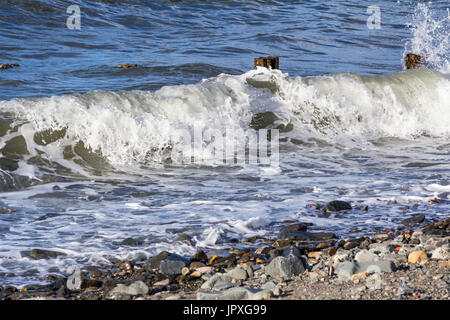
[{"x": 84, "y": 162}]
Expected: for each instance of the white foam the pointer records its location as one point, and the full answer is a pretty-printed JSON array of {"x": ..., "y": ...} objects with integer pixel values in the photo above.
[
  {"x": 131, "y": 129},
  {"x": 430, "y": 37}
]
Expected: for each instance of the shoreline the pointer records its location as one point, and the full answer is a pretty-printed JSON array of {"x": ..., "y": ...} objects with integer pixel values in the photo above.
[{"x": 410, "y": 264}]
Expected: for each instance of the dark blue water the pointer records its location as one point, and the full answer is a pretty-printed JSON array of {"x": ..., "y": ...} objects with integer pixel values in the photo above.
[{"x": 180, "y": 42}]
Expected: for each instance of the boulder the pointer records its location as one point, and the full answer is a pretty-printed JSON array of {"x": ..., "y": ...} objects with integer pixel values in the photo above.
[
  {"x": 284, "y": 268},
  {"x": 155, "y": 262}
]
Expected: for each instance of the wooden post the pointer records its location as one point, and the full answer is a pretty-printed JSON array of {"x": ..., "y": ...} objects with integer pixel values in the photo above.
[
  {"x": 272, "y": 62},
  {"x": 414, "y": 61}
]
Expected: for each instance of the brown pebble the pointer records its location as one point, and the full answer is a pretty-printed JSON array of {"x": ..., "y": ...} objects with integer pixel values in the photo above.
[
  {"x": 444, "y": 263},
  {"x": 281, "y": 243},
  {"x": 127, "y": 266},
  {"x": 162, "y": 283},
  {"x": 185, "y": 271},
  {"x": 330, "y": 251},
  {"x": 322, "y": 245},
  {"x": 315, "y": 254},
  {"x": 417, "y": 256},
  {"x": 359, "y": 276},
  {"x": 381, "y": 236},
  {"x": 200, "y": 255}
]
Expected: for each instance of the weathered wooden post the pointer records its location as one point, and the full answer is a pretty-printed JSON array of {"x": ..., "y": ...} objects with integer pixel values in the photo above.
[
  {"x": 272, "y": 62},
  {"x": 414, "y": 61},
  {"x": 128, "y": 65}
]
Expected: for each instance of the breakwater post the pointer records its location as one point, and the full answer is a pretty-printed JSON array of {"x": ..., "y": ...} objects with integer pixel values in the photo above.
[
  {"x": 414, "y": 61},
  {"x": 272, "y": 62}
]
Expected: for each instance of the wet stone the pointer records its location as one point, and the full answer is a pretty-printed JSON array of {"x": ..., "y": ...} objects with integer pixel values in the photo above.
[
  {"x": 306, "y": 236},
  {"x": 414, "y": 220},
  {"x": 200, "y": 255},
  {"x": 131, "y": 242},
  {"x": 295, "y": 227},
  {"x": 38, "y": 254},
  {"x": 337, "y": 205}
]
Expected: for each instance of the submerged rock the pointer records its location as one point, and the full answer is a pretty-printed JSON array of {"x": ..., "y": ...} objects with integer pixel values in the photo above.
[
  {"x": 337, "y": 205},
  {"x": 263, "y": 120},
  {"x": 41, "y": 254},
  {"x": 414, "y": 220},
  {"x": 295, "y": 227}
]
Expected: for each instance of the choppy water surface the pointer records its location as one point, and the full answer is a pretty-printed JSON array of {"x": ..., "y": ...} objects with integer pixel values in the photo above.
[{"x": 92, "y": 154}]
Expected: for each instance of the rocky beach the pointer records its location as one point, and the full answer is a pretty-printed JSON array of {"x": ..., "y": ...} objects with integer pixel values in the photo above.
[{"x": 411, "y": 262}]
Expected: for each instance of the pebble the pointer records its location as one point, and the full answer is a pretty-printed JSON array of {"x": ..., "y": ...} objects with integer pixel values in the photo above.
[
  {"x": 444, "y": 263},
  {"x": 381, "y": 236},
  {"x": 264, "y": 250},
  {"x": 417, "y": 256},
  {"x": 134, "y": 289},
  {"x": 185, "y": 271},
  {"x": 162, "y": 283},
  {"x": 237, "y": 293},
  {"x": 238, "y": 274},
  {"x": 216, "y": 279},
  {"x": 205, "y": 270},
  {"x": 441, "y": 253},
  {"x": 345, "y": 270},
  {"x": 314, "y": 254},
  {"x": 341, "y": 256},
  {"x": 365, "y": 256},
  {"x": 359, "y": 276},
  {"x": 250, "y": 272},
  {"x": 200, "y": 255},
  {"x": 269, "y": 285},
  {"x": 351, "y": 244}
]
